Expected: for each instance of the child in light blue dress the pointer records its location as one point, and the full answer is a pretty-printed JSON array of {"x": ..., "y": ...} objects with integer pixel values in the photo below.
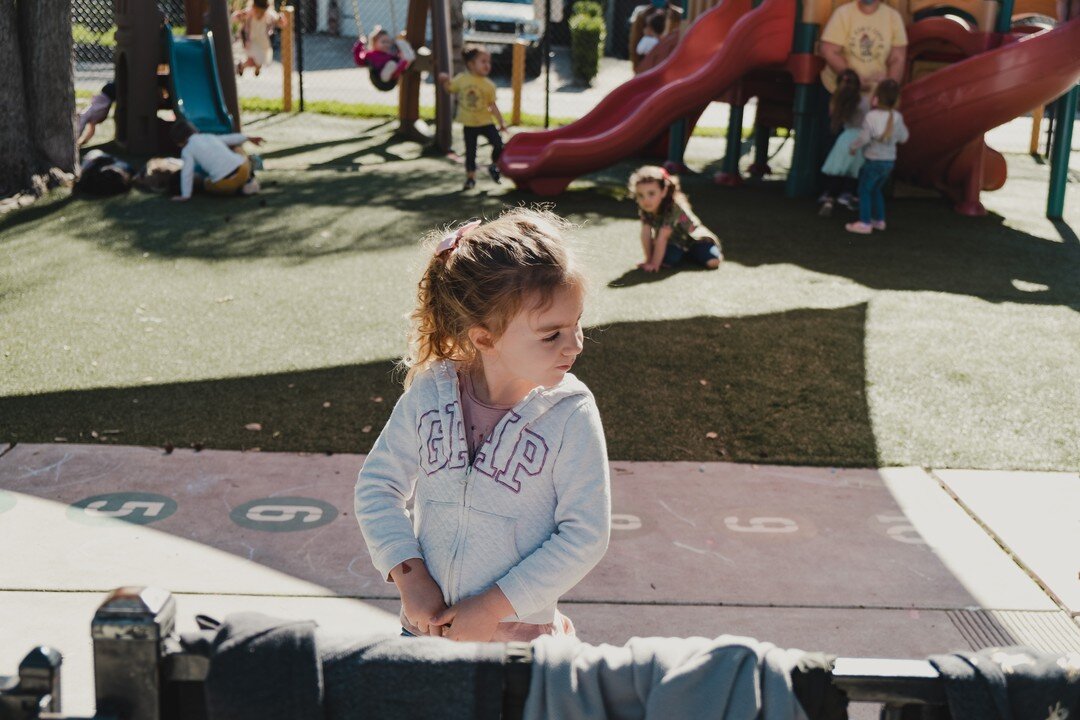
[{"x": 847, "y": 108}]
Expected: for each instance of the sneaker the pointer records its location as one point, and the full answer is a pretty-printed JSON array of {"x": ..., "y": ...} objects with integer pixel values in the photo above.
[
  {"x": 824, "y": 198},
  {"x": 848, "y": 200},
  {"x": 878, "y": 224},
  {"x": 860, "y": 228},
  {"x": 251, "y": 187},
  {"x": 469, "y": 184},
  {"x": 826, "y": 209},
  {"x": 493, "y": 171}
]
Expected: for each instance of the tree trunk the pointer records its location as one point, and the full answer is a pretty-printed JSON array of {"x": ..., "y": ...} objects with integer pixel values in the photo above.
[
  {"x": 16, "y": 149},
  {"x": 37, "y": 99}
]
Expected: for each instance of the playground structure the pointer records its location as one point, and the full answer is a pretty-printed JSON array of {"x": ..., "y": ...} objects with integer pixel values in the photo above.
[
  {"x": 978, "y": 63},
  {"x": 194, "y": 74}
]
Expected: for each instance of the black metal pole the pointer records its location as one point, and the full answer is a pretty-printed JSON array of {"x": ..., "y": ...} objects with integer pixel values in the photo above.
[
  {"x": 547, "y": 63},
  {"x": 298, "y": 31}
]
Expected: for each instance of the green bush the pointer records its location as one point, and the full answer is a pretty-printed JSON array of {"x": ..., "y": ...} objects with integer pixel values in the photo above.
[
  {"x": 588, "y": 7},
  {"x": 587, "y": 34},
  {"x": 83, "y": 35}
]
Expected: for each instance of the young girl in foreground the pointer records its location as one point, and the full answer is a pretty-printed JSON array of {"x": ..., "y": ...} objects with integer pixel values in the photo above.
[
  {"x": 499, "y": 447},
  {"x": 883, "y": 128},
  {"x": 669, "y": 229}
]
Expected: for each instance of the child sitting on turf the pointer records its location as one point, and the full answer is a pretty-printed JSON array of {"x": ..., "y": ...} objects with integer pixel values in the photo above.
[
  {"x": 476, "y": 109},
  {"x": 224, "y": 171},
  {"x": 882, "y": 129},
  {"x": 98, "y": 111},
  {"x": 257, "y": 23},
  {"x": 498, "y": 447},
  {"x": 669, "y": 229},
  {"x": 385, "y": 56},
  {"x": 847, "y": 108}
]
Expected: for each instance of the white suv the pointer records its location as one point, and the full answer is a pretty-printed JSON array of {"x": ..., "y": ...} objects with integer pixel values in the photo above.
[{"x": 497, "y": 24}]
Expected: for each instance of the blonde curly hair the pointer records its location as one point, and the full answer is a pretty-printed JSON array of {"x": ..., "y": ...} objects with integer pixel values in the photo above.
[{"x": 518, "y": 260}]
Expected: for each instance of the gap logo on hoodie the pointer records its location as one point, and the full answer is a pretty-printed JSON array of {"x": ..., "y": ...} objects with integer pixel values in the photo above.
[{"x": 494, "y": 459}]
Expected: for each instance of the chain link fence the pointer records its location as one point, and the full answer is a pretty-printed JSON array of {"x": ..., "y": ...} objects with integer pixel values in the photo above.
[{"x": 325, "y": 76}]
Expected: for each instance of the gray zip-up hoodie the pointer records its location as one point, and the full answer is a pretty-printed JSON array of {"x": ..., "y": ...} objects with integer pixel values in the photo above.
[{"x": 532, "y": 513}]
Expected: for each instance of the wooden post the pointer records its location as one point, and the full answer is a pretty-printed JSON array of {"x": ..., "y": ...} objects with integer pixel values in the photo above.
[
  {"x": 288, "y": 15},
  {"x": 1036, "y": 127},
  {"x": 517, "y": 75},
  {"x": 409, "y": 85}
]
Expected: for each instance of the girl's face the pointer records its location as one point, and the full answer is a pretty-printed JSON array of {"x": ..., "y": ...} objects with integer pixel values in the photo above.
[
  {"x": 539, "y": 346},
  {"x": 649, "y": 194},
  {"x": 480, "y": 64},
  {"x": 382, "y": 42}
]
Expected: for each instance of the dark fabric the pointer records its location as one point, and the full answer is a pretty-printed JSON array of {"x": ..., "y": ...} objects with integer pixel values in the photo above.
[
  {"x": 471, "y": 134},
  {"x": 103, "y": 174},
  {"x": 399, "y": 678},
  {"x": 1013, "y": 683},
  {"x": 261, "y": 668},
  {"x": 837, "y": 185},
  {"x": 812, "y": 680}
]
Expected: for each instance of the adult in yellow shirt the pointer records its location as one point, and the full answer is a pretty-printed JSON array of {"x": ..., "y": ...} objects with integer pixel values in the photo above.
[
  {"x": 867, "y": 36},
  {"x": 476, "y": 110}
]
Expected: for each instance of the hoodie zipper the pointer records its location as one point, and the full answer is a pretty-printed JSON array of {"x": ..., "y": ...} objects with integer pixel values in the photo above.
[{"x": 462, "y": 528}]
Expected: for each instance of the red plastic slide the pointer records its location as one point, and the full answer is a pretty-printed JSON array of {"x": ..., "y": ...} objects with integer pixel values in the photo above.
[
  {"x": 724, "y": 44},
  {"x": 949, "y": 110}
]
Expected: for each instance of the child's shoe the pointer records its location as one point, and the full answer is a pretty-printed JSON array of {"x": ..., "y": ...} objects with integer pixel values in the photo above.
[
  {"x": 859, "y": 227},
  {"x": 849, "y": 201},
  {"x": 493, "y": 171},
  {"x": 826, "y": 209},
  {"x": 251, "y": 187},
  {"x": 469, "y": 184},
  {"x": 878, "y": 224}
]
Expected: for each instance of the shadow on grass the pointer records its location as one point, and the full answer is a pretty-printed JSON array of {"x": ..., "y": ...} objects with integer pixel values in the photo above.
[
  {"x": 780, "y": 388},
  {"x": 927, "y": 247}
]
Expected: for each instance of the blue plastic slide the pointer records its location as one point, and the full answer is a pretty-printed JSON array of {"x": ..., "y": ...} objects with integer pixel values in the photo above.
[{"x": 196, "y": 89}]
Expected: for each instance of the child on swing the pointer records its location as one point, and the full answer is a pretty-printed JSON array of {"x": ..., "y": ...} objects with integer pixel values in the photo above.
[
  {"x": 257, "y": 23},
  {"x": 387, "y": 57}
]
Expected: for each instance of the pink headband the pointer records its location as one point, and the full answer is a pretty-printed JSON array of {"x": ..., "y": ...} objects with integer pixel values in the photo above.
[{"x": 450, "y": 241}]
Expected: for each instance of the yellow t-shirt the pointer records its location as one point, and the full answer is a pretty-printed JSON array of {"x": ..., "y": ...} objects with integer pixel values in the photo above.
[
  {"x": 475, "y": 95},
  {"x": 864, "y": 39}
]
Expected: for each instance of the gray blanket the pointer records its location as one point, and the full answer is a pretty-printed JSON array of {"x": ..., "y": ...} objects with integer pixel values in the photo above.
[{"x": 728, "y": 678}]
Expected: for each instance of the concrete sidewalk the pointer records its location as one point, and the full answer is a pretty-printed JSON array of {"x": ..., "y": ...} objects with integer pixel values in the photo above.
[{"x": 897, "y": 562}]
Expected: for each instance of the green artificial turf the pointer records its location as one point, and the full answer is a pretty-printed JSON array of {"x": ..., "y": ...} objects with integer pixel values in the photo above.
[{"x": 274, "y": 321}]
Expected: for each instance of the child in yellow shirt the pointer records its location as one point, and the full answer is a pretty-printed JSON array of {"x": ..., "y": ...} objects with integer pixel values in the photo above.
[{"x": 476, "y": 110}]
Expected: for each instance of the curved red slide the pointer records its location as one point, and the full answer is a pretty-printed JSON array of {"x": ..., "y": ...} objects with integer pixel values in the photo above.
[
  {"x": 723, "y": 45},
  {"x": 949, "y": 110}
]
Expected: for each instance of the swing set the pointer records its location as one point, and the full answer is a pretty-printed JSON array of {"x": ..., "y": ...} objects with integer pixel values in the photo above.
[
  {"x": 360, "y": 48},
  {"x": 410, "y": 125}
]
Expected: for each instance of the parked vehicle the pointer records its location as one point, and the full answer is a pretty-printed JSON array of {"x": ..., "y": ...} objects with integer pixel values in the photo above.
[{"x": 498, "y": 24}]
